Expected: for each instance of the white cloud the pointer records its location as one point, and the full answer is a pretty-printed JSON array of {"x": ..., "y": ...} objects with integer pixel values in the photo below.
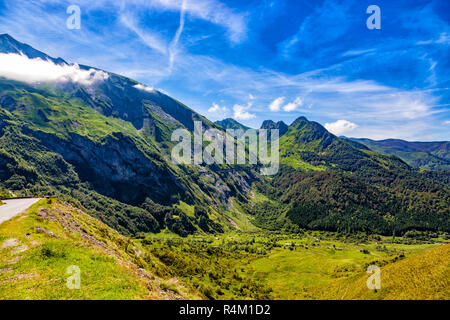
[
  {"x": 173, "y": 45},
  {"x": 447, "y": 122},
  {"x": 341, "y": 126},
  {"x": 275, "y": 105},
  {"x": 291, "y": 106},
  {"x": 209, "y": 10},
  {"x": 21, "y": 68},
  {"x": 217, "y": 109},
  {"x": 444, "y": 38},
  {"x": 144, "y": 88},
  {"x": 163, "y": 91},
  {"x": 241, "y": 113},
  {"x": 358, "y": 52}
]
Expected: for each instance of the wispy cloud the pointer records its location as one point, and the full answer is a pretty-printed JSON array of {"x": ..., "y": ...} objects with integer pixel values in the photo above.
[
  {"x": 151, "y": 39},
  {"x": 351, "y": 53},
  {"x": 444, "y": 38},
  {"x": 212, "y": 11},
  {"x": 176, "y": 38},
  {"x": 383, "y": 110},
  {"x": 326, "y": 23}
]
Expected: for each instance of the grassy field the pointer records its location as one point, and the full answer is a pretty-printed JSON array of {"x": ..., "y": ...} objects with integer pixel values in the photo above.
[
  {"x": 37, "y": 247},
  {"x": 290, "y": 273},
  {"x": 281, "y": 266},
  {"x": 424, "y": 276}
]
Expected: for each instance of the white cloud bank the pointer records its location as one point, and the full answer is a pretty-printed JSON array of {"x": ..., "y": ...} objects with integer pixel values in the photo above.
[
  {"x": 21, "y": 68},
  {"x": 341, "y": 126}
]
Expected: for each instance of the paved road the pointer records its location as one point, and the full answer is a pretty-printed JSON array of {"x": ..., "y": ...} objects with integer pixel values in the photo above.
[{"x": 14, "y": 207}]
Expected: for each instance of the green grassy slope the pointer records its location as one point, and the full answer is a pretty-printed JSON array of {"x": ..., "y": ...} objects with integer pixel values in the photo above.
[
  {"x": 52, "y": 142},
  {"x": 330, "y": 183},
  {"x": 38, "y": 247},
  {"x": 106, "y": 146},
  {"x": 425, "y": 276}
]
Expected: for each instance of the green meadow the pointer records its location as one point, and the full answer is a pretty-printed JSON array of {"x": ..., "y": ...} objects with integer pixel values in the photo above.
[{"x": 39, "y": 245}]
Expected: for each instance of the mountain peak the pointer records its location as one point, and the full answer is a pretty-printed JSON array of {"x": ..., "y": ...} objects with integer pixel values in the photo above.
[
  {"x": 300, "y": 120},
  {"x": 10, "y": 45},
  {"x": 280, "y": 125},
  {"x": 6, "y": 36},
  {"x": 230, "y": 123}
]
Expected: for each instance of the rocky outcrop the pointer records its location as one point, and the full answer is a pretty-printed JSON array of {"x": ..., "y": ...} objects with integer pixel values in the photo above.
[
  {"x": 116, "y": 167},
  {"x": 280, "y": 125}
]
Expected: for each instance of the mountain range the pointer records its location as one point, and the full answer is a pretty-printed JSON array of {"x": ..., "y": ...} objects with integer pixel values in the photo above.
[
  {"x": 425, "y": 155},
  {"x": 104, "y": 144},
  {"x": 433, "y": 155}
]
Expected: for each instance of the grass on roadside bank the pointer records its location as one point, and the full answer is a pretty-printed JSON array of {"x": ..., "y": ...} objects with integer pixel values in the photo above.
[{"x": 39, "y": 246}]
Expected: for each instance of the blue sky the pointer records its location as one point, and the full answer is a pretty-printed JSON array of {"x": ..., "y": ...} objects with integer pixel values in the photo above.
[{"x": 258, "y": 60}]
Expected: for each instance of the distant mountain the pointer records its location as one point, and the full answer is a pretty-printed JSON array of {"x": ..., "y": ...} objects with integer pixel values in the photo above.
[
  {"x": 230, "y": 123},
  {"x": 10, "y": 45},
  {"x": 280, "y": 125},
  {"x": 331, "y": 183},
  {"x": 308, "y": 145},
  {"x": 424, "y": 155}
]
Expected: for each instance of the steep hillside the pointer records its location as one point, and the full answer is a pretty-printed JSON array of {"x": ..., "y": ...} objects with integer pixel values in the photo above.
[
  {"x": 106, "y": 144},
  {"x": 424, "y": 155},
  {"x": 425, "y": 276},
  {"x": 39, "y": 246},
  {"x": 330, "y": 183}
]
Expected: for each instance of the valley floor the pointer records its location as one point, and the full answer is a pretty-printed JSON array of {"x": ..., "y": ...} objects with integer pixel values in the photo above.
[
  {"x": 317, "y": 266},
  {"x": 37, "y": 247}
]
